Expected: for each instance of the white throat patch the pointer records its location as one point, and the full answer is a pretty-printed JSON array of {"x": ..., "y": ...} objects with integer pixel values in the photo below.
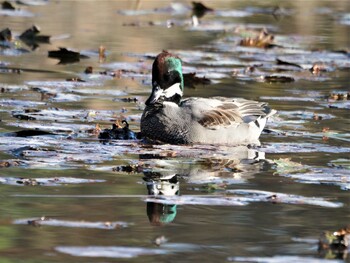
[{"x": 172, "y": 90}]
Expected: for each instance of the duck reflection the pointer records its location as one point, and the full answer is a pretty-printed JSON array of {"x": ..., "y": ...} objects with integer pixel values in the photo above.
[
  {"x": 164, "y": 177},
  {"x": 159, "y": 184},
  {"x": 32, "y": 38}
]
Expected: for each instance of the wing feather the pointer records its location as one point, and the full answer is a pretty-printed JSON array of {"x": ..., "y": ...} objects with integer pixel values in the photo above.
[{"x": 231, "y": 112}]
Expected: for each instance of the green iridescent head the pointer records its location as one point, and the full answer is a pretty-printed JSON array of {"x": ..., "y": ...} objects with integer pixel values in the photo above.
[{"x": 167, "y": 79}]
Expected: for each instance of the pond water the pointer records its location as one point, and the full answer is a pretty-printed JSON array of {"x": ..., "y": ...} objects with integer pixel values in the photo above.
[{"x": 67, "y": 197}]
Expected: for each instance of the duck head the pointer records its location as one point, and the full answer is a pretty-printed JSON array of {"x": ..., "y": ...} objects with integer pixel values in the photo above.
[{"x": 167, "y": 79}]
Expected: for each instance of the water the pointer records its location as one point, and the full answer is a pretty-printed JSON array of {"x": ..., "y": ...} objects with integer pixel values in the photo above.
[{"x": 79, "y": 196}]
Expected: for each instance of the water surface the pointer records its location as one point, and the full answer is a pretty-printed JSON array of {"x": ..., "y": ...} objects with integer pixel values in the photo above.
[{"x": 88, "y": 201}]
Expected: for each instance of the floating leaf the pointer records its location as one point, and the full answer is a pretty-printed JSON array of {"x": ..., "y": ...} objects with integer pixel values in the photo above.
[
  {"x": 243, "y": 197},
  {"x": 335, "y": 244},
  {"x": 9, "y": 163},
  {"x": 303, "y": 148},
  {"x": 55, "y": 181},
  {"x": 345, "y": 19},
  {"x": 286, "y": 166},
  {"x": 278, "y": 78},
  {"x": 27, "y": 133},
  {"x": 191, "y": 80},
  {"x": 20, "y": 103},
  {"x": 68, "y": 223},
  {"x": 341, "y": 163},
  {"x": 263, "y": 196},
  {"x": 320, "y": 175},
  {"x": 199, "y": 9},
  {"x": 16, "y": 13},
  {"x": 283, "y": 259},
  {"x": 7, "y": 6},
  {"x": 66, "y": 56},
  {"x": 174, "y": 8},
  {"x": 118, "y": 132},
  {"x": 32, "y": 37},
  {"x": 281, "y": 62},
  {"x": 110, "y": 252},
  {"x": 32, "y": 2},
  {"x": 339, "y": 96},
  {"x": 160, "y": 240},
  {"x": 262, "y": 40},
  {"x": 6, "y": 35}
]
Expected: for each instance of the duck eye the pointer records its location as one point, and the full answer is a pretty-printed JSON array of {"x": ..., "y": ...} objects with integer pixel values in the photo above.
[{"x": 166, "y": 76}]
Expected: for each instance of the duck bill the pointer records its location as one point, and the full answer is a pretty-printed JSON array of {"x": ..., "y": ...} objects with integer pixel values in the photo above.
[{"x": 156, "y": 93}]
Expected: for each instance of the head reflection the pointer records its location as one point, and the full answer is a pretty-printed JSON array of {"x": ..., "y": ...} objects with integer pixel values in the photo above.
[
  {"x": 236, "y": 166},
  {"x": 158, "y": 184}
]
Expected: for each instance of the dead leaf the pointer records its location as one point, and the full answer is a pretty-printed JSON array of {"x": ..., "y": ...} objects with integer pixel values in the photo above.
[
  {"x": 191, "y": 80},
  {"x": 262, "y": 40},
  {"x": 66, "y": 56}
]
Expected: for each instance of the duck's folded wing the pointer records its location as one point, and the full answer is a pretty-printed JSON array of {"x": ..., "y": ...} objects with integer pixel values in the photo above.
[{"x": 221, "y": 112}]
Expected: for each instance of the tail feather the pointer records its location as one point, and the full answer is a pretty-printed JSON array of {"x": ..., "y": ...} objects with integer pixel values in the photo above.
[
  {"x": 261, "y": 121},
  {"x": 272, "y": 112}
]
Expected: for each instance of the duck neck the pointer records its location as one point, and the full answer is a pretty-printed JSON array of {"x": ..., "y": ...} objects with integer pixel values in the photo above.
[{"x": 176, "y": 98}]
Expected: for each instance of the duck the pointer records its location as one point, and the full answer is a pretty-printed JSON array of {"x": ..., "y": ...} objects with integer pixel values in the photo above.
[{"x": 168, "y": 118}]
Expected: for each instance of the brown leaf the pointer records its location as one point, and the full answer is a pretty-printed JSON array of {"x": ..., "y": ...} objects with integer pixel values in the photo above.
[{"x": 262, "y": 40}]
